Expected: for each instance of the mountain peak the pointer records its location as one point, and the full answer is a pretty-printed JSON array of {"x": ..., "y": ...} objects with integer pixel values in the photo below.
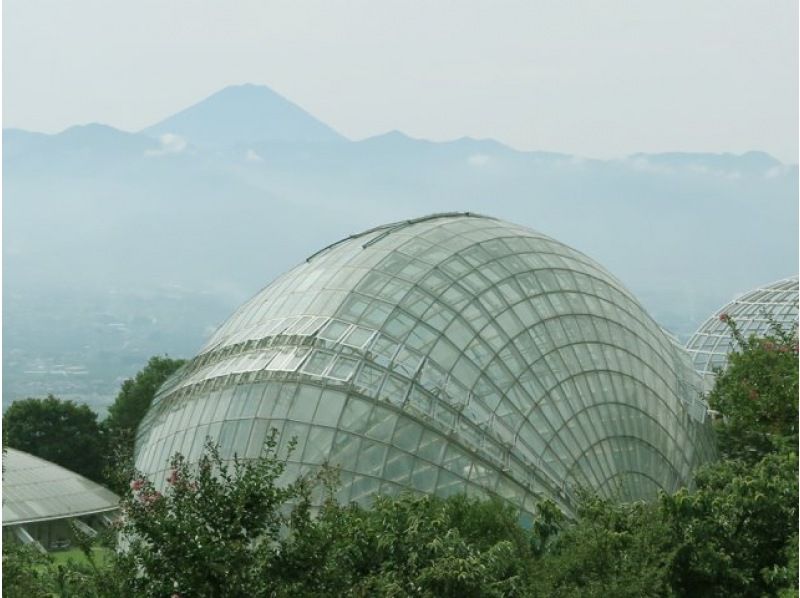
[{"x": 245, "y": 115}]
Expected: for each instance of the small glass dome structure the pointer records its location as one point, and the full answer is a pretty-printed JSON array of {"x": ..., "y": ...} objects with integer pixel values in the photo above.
[
  {"x": 753, "y": 313},
  {"x": 40, "y": 499},
  {"x": 451, "y": 353}
]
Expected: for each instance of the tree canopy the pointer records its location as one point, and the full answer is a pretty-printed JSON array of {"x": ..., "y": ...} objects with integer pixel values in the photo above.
[
  {"x": 63, "y": 432},
  {"x": 132, "y": 402},
  {"x": 136, "y": 394},
  {"x": 757, "y": 395}
]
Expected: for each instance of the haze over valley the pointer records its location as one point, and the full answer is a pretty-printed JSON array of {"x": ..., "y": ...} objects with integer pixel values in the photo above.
[{"x": 121, "y": 245}]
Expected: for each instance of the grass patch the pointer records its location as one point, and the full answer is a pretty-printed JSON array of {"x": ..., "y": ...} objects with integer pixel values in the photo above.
[{"x": 60, "y": 557}]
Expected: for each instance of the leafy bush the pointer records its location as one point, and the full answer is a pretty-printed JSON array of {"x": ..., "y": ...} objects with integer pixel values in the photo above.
[
  {"x": 610, "y": 550},
  {"x": 408, "y": 546},
  {"x": 736, "y": 528},
  {"x": 213, "y": 532},
  {"x": 757, "y": 395},
  {"x": 24, "y": 571}
]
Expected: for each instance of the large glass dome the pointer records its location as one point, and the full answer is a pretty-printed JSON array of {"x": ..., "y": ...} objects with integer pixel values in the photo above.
[
  {"x": 452, "y": 353},
  {"x": 753, "y": 313}
]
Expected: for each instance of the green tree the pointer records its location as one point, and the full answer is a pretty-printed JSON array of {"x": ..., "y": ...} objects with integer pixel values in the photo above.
[
  {"x": 29, "y": 573},
  {"x": 238, "y": 529},
  {"x": 213, "y": 531},
  {"x": 124, "y": 415},
  {"x": 408, "y": 545},
  {"x": 63, "y": 432},
  {"x": 136, "y": 394},
  {"x": 737, "y": 531},
  {"x": 609, "y": 550},
  {"x": 24, "y": 571},
  {"x": 757, "y": 395}
]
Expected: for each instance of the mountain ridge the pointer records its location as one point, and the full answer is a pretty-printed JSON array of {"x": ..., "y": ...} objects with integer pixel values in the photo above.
[
  {"x": 94, "y": 208},
  {"x": 16, "y": 136},
  {"x": 245, "y": 115}
]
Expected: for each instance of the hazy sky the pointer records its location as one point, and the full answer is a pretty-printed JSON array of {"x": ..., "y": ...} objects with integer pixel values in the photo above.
[{"x": 594, "y": 78}]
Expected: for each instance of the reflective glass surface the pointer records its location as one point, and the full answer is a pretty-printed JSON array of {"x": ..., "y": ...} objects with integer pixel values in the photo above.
[
  {"x": 38, "y": 490},
  {"x": 453, "y": 353},
  {"x": 752, "y": 312}
]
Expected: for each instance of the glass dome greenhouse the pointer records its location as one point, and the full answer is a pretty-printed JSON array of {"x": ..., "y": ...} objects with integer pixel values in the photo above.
[
  {"x": 41, "y": 500},
  {"x": 451, "y": 353},
  {"x": 754, "y": 314}
]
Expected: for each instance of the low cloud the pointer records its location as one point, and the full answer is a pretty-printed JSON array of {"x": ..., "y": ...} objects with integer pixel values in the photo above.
[
  {"x": 702, "y": 169},
  {"x": 776, "y": 171},
  {"x": 252, "y": 156},
  {"x": 569, "y": 162},
  {"x": 478, "y": 160},
  {"x": 644, "y": 165},
  {"x": 170, "y": 144}
]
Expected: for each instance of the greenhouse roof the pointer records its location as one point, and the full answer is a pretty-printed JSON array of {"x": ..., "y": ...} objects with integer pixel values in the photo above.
[
  {"x": 754, "y": 312},
  {"x": 444, "y": 354},
  {"x": 38, "y": 490}
]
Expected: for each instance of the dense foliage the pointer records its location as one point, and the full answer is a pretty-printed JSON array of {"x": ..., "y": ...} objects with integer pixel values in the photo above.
[
  {"x": 733, "y": 534},
  {"x": 25, "y": 571},
  {"x": 407, "y": 546},
  {"x": 59, "y": 431},
  {"x": 757, "y": 395},
  {"x": 238, "y": 529},
  {"x": 610, "y": 550},
  {"x": 70, "y": 434},
  {"x": 213, "y": 532},
  {"x": 124, "y": 415},
  {"x": 137, "y": 393}
]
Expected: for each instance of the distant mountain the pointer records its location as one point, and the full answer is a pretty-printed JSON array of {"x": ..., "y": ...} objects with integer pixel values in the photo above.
[
  {"x": 243, "y": 115},
  {"x": 79, "y": 149},
  {"x": 477, "y": 152},
  {"x": 120, "y": 245},
  {"x": 17, "y": 141}
]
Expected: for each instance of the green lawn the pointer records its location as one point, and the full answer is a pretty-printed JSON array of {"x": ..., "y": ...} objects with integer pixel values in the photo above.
[{"x": 75, "y": 554}]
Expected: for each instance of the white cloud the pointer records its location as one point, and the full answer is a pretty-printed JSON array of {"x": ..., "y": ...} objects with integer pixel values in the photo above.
[
  {"x": 700, "y": 169},
  {"x": 644, "y": 165},
  {"x": 568, "y": 162},
  {"x": 478, "y": 160},
  {"x": 727, "y": 174},
  {"x": 170, "y": 144},
  {"x": 252, "y": 156},
  {"x": 776, "y": 171}
]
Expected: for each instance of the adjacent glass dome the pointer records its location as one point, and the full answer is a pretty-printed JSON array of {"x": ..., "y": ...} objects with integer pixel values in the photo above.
[
  {"x": 35, "y": 490},
  {"x": 752, "y": 312},
  {"x": 452, "y": 353}
]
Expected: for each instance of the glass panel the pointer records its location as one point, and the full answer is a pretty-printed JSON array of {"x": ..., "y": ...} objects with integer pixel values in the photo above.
[
  {"x": 359, "y": 337},
  {"x": 398, "y": 466},
  {"x": 305, "y": 403},
  {"x": 343, "y": 368},
  {"x": 369, "y": 379},
  {"x": 334, "y": 330},
  {"x": 355, "y": 415},
  {"x": 407, "y": 435},
  {"x": 318, "y": 447},
  {"x": 329, "y": 408},
  {"x": 318, "y": 363}
]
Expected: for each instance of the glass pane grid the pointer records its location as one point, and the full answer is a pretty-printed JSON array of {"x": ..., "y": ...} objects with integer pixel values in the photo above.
[{"x": 453, "y": 351}]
